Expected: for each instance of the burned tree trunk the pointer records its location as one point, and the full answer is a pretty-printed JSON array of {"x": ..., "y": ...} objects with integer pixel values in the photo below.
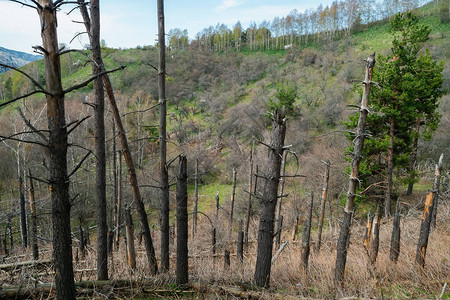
[
  {"x": 395, "y": 239},
  {"x": 217, "y": 206},
  {"x": 375, "y": 238},
  {"x": 164, "y": 177},
  {"x": 240, "y": 243},
  {"x": 131, "y": 253},
  {"x": 195, "y": 211},
  {"x": 425, "y": 226},
  {"x": 33, "y": 223},
  {"x": 118, "y": 217},
  {"x": 278, "y": 216},
  {"x": 344, "y": 235},
  {"x": 249, "y": 201},
  {"x": 390, "y": 170},
  {"x": 233, "y": 192},
  {"x": 323, "y": 201},
  {"x": 306, "y": 238},
  {"x": 269, "y": 201},
  {"x": 23, "y": 215},
  {"x": 182, "y": 224}
]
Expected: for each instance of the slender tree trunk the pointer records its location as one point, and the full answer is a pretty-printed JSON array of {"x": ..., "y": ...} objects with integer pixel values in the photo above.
[
  {"x": 213, "y": 241},
  {"x": 425, "y": 226},
  {"x": 395, "y": 239},
  {"x": 368, "y": 232},
  {"x": 323, "y": 201},
  {"x": 375, "y": 238},
  {"x": 116, "y": 190},
  {"x": 182, "y": 270},
  {"x": 344, "y": 235},
  {"x": 23, "y": 215},
  {"x": 306, "y": 238},
  {"x": 131, "y": 253},
  {"x": 249, "y": 201},
  {"x": 33, "y": 223},
  {"x": 217, "y": 206},
  {"x": 413, "y": 160},
  {"x": 230, "y": 229},
  {"x": 269, "y": 200},
  {"x": 119, "y": 199},
  {"x": 240, "y": 243},
  {"x": 195, "y": 211},
  {"x": 278, "y": 216},
  {"x": 390, "y": 170},
  {"x": 164, "y": 177}
]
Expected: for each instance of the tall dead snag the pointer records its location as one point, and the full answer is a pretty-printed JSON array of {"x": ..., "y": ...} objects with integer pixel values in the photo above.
[
  {"x": 182, "y": 224},
  {"x": 217, "y": 206},
  {"x": 92, "y": 25},
  {"x": 368, "y": 231},
  {"x": 249, "y": 201},
  {"x": 375, "y": 236},
  {"x": 23, "y": 215},
  {"x": 390, "y": 170},
  {"x": 323, "y": 201},
  {"x": 278, "y": 216},
  {"x": 306, "y": 238},
  {"x": 164, "y": 177},
  {"x": 195, "y": 210},
  {"x": 344, "y": 235},
  {"x": 240, "y": 243},
  {"x": 33, "y": 223},
  {"x": 395, "y": 239},
  {"x": 269, "y": 201},
  {"x": 430, "y": 202},
  {"x": 233, "y": 193},
  {"x": 131, "y": 253}
]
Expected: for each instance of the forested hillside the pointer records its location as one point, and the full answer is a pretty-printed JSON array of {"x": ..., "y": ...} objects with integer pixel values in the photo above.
[{"x": 221, "y": 89}]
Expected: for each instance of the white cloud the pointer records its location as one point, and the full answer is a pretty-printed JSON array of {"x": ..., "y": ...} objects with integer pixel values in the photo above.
[{"x": 226, "y": 4}]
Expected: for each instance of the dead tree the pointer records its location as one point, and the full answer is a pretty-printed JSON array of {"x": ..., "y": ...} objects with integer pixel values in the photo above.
[
  {"x": 217, "y": 206},
  {"x": 323, "y": 201},
  {"x": 249, "y": 201},
  {"x": 92, "y": 25},
  {"x": 375, "y": 235},
  {"x": 306, "y": 238},
  {"x": 118, "y": 213},
  {"x": 395, "y": 239},
  {"x": 233, "y": 192},
  {"x": 390, "y": 170},
  {"x": 368, "y": 230},
  {"x": 430, "y": 202},
  {"x": 131, "y": 253},
  {"x": 33, "y": 223},
  {"x": 240, "y": 243},
  {"x": 164, "y": 177},
  {"x": 23, "y": 214},
  {"x": 195, "y": 210},
  {"x": 269, "y": 201},
  {"x": 278, "y": 216},
  {"x": 344, "y": 235},
  {"x": 182, "y": 271}
]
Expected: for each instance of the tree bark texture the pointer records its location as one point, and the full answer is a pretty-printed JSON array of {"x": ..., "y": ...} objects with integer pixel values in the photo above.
[
  {"x": 131, "y": 253},
  {"x": 269, "y": 201},
  {"x": 249, "y": 200},
  {"x": 118, "y": 219},
  {"x": 164, "y": 177},
  {"x": 390, "y": 170},
  {"x": 240, "y": 243},
  {"x": 425, "y": 226},
  {"x": 306, "y": 238},
  {"x": 278, "y": 216},
  {"x": 344, "y": 234},
  {"x": 33, "y": 223},
  {"x": 233, "y": 193},
  {"x": 195, "y": 210},
  {"x": 59, "y": 180},
  {"x": 395, "y": 238},
  {"x": 367, "y": 233},
  {"x": 23, "y": 214},
  {"x": 375, "y": 235},
  {"x": 323, "y": 201},
  {"x": 182, "y": 271}
]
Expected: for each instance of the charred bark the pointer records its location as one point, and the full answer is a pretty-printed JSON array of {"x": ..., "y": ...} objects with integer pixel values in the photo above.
[
  {"x": 323, "y": 201},
  {"x": 249, "y": 201},
  {"x": 306, "y": 239},
  {"x": 23, "y": 215},
  {"x": 182, "y": 271},
  {"x": 344, "y": 235},
  {"x": 375, "y": 236},
  {"x": 395, "y": 239},
  {"x": 33, "y": 223},
  {"x": 269, "y": 201},
  {"x": 233, "y": 192},
  {"x": 278, "y": 216},
  {"x": 131, "y": 252},
  {"x": 195, "y": 210}
]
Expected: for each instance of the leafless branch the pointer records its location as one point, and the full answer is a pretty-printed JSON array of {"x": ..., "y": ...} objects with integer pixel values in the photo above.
[
  {"x": 80, "y": 163},
  {"x": 40, "y": 50},
  {"x": 20, "y": 140},
  {"x": 262, "y": 143},
  {"x": 25, "y": 4},
  {"x": 293, "y": 176},
  {"x": 73, "y": 50},
  {"x": 39, "y": 179},
  {"x": 83, "y": 84},
  {"x": 150, "y": 186},
  {"x": 78, "y": 34},
  {"x": 24, "y": 74},
  {"x": 23, "y": 96},
  {"x": 76, "y": 125},
  {"x": 140, "y": 111},
  {"x": 28, "y": 123}
]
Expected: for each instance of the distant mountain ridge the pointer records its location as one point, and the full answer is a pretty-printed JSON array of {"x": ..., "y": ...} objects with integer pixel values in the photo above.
[{"x": 15, "y": 58}]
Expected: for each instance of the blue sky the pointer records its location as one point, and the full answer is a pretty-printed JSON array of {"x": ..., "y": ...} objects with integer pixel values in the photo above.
[{"x": 131, "y": 23}]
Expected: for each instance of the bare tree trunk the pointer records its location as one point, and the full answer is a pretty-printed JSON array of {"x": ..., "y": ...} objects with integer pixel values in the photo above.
[
  {"x": 164, "y": 177},
  {"x": 119, "y": 200},
  {"x": 413, "y": 160},
  {"x": 23, "y": 215},
  {"x": 195, "y": 211},
  {"x": 182, "y": 270},
  {"x": 390, "y": 170},
  {"x": 368, "y": 232},
  {"x": 269, "y": 201},
  {"x": 249, "y": 202},
  {"x": 344, "y": 235},
  {"x": 226, "y": 259},
  {"x": 116, "y": 190},
  {"x": 323, "y": 201},
  {"x": 295, "y": 228},
  {"x": 375, "y": 238},
  {"x": 131, "y": 253},
  {"x": 33, "y": 223},
  {"x": 425, "y": 226},
  {"x": 213, "y": 241},
  {"x": 217, "y": 206},
  {"x": 230, "y": 229},
  {"x": 240, "y": 243},
  {"x": 278, "y": 216},
  {"x": 306, "y": 238},
  {"x": 395, "y": 239}
]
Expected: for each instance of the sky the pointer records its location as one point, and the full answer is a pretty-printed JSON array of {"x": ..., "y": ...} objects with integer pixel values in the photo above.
[{"x": 131, "y": 23}]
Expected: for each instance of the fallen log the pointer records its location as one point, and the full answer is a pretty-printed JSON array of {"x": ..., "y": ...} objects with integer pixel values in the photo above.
[{"x": 31, "y": 263}]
